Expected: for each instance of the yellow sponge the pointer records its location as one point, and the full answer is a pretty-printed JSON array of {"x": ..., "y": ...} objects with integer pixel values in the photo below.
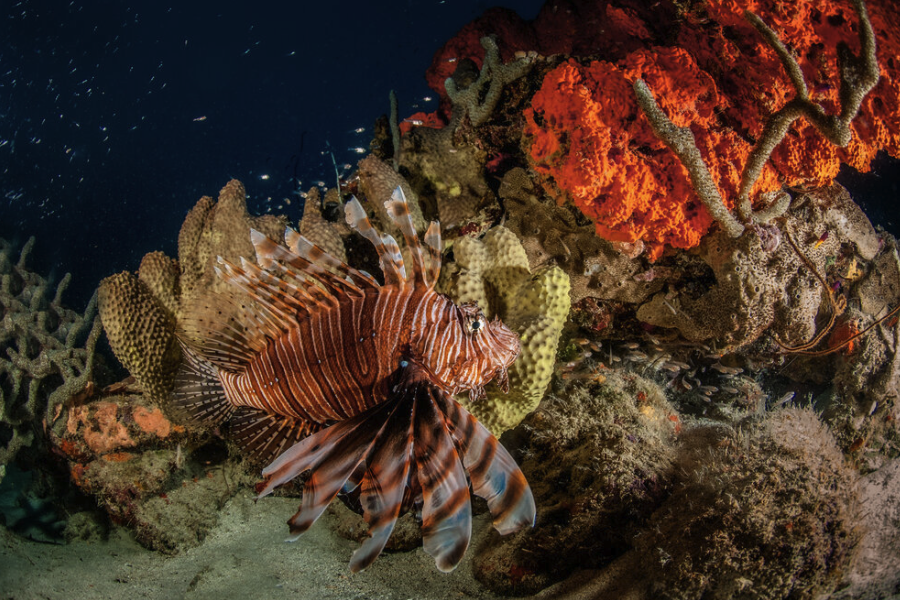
[{"x": 493, "y": 272}]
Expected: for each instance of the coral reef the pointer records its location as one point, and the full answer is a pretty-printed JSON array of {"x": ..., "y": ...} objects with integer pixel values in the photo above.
[
  {"x": 553, "y": 234},
  {"x": 377, "y": 181},
  {"x": 46, "y": 352},
  {"x": 770, "y": 512},
  {"x": 493, "y": 272},
  {"x": 213, "y": 229},
  {"x": 597, "y": 149},
  {"x": 585, "y": 133},
  {"x": 141, "y": 331},
  {"x": 599, "y": 458},
  {"x": 320, "y": 231}
]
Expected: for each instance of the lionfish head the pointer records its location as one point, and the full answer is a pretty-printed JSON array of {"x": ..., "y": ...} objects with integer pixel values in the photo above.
[{"x": 484, "y": 352}]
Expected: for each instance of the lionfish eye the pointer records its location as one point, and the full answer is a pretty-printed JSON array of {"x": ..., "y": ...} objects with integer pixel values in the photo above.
[{"x": 476, "y": 324}]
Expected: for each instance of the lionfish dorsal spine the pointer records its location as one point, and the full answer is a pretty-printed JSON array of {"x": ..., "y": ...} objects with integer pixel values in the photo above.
[
  {"x": 392, "y": 248},
  {"x": 304, "y": 248},
  {"x": 274, "y": 257},
  {"x": 398, "y": 211},
  {"x": 434, "y": 247},
  {"x": 357, "y": 219}
]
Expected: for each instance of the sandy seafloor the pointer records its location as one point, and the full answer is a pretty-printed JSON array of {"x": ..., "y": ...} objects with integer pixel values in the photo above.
[{"x": 244, "y": 556}]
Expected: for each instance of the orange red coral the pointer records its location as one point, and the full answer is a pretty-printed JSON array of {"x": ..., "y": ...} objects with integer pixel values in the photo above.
[
  {"x": 587, "y": 136},
  {"x": 586, "y": 132}
]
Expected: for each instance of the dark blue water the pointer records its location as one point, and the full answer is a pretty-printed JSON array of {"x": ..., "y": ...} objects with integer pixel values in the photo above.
[{"x": 116, "y": 117}]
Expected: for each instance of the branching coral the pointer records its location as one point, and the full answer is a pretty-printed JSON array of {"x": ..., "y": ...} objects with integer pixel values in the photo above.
[
  {"x": 477, "y": 101},
  {"x": 44, "y": 357},
  {"x": 858, "y": 75}
]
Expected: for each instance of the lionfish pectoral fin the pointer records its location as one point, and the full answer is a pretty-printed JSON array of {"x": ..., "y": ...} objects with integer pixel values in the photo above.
[
  {"x": 446, "y": 506},
  {"x": 198, "y": 393},
  {"x": 333, "y": 455},
  {"x": 383, "y": 486},
  {"x": 262, "y": 435},
  {"x": 494, "y": 473}
]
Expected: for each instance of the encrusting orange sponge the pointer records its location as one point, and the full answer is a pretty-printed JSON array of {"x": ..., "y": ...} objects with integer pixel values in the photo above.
[{"x": 586, "y": 132}]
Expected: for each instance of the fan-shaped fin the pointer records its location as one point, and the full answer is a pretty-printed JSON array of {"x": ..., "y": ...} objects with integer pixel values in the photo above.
[
  {"x": 333, "y": 455},
  {"x": 263, "y": 436},
  {"x": 221, "y": 329},
  {"x": 198, "y": 393},
  {"x": 495, "y": 475}
]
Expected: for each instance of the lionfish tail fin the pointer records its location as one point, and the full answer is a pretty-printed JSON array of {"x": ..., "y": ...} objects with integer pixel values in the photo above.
[
  {"x": 358, "y": 220},
  {"x": 398, "y": 210},
  {"x": 494, "y": 473},
  {"x": 198, "y": 395}
]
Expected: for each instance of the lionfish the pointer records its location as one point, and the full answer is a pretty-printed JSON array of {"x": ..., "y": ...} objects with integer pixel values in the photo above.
[{"x": 317, "y": 365}]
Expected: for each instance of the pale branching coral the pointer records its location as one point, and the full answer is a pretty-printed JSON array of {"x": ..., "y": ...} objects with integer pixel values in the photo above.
[
  {"x": 46, "y": 352},
  {"x": 478, "y": 100}
]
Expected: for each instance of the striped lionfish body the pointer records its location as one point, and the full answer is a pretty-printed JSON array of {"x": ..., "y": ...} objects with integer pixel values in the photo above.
[{"x": 318, "y": 366}]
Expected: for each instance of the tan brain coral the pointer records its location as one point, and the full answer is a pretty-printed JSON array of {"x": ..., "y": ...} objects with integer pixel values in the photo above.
[
  {"x": 494, "y": 273},
  {"x": 140, "y": 331},
  {"x": 140, "y": 313}
]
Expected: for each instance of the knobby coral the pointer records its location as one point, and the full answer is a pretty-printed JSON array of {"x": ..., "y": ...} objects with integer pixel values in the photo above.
[
  {"x": 139, "y": 313},
  {"x": 494, "y": 273}
]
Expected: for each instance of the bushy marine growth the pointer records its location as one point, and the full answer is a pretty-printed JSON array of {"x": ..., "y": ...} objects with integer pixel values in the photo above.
[{"x": 773, "y": 514}]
